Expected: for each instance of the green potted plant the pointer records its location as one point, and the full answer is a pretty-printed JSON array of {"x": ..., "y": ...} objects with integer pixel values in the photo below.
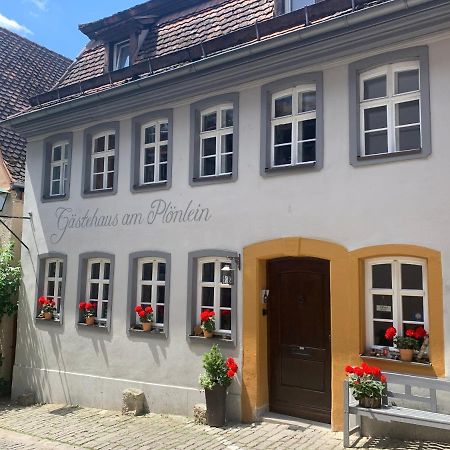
[
  {"x": 89, "y": 312},
  {"x": 208, "y": 323},
  {"x": 406, "y": 344},
  {"x": 367, "y": 384},
  {"x": 145, "y": 316},
  {"x": 47, "y": 307},
  {"x": 218, "y": 375}
]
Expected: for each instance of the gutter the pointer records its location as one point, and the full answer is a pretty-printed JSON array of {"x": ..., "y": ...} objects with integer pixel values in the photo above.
[{"x": 283, "y": 40}]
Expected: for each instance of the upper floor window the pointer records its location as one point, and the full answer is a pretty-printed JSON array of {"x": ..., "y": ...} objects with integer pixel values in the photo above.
[
  {"x": 98, "y": 291},
  {"x": 59, "y": 168},
  {"x": 216, "y": 141},
  {"x": 293, "y": 126},
  {"x": 390, "y": 109},
  {"x": 396, "y": 295},
  {"x": 103, "y": 161},
  {"x": 121, "y": 55},
  {"x": 154, "y": 152}
]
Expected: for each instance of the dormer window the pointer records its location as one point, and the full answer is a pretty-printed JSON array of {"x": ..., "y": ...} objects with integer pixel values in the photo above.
[
  {"x": 293, "y": 5},
  {"x": 121, "y": 55}
]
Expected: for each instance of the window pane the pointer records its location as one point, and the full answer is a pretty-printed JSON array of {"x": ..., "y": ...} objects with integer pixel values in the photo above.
[
  {"x": 57, "y": 153},
  {"x": 408, "y": 138},
  {"x": 375, "y": 88},
  {"x": 209, "y": 121},
  {"x": 208, "y": 166},
  {"x": 99, "y": 145},
  {"x": 407, "y": 112},
  {"x": 95, "y": 271},
  {"x": 410, "y": 326},
  {"x": 376, "y": 142},
  {"x": 227, "y": 143},
  {"x": 149, "y": 155},
  {"x": 56, "y": 173},
  {"x": 225, "y": 319},
  {"x": 407, "y": 81},
  {"x": 161, "y": 272},
  {"x": 375, "y": 118},
  {"x": 209, "y": 146},
  {"x": 61, "y": 269},
  {"x": 382, "y": 306},
  {"x": 282, "y": 155},
  {"x": 208, "y": 272},
  {"x": 283, "y": 133},
  {"x": 412, "y": 308},
  {"x": 93, "y": 294},
  {"x": 307, "y": 130},
  {"x": 382, "y": 276},
  {"x": 163, "y": 172},
  {"x": 106, "y": 271},
  {"x": 227, "y": 164},
  {"x": 306, "y": 151},
  {"x": 123, "y": 56},
  {"x": 52, "y": 269},
  {"x": 164, "y": 131},
  {"x": 106, "y": 292},
  {"x": 146, "y": 294},
  {"x": 110, "y": 163},
  {"x": 160, "y": 294},
  {"x": 163, "y": 153},
  {"x": 412, "y": 277},
  {"x": 59, "y": 288},
  {"x": 55, "y": 187},
  {"x": 147, "y": 271},
  {"x": 227, "y": 118},
  {"x": 149, "y": 174},
  {"x": 225, "y": 297},
  {"x": 283, "y": 106},
  {"x": 104, "y": 310},
  {"x": 160, "y": 314},
  {"x": 307, "y": 101},
  {"x": 297, "y": 4},
  {"x": 98, "y": 181},
  {"x": 379, "y": 329},
  {"x": 207, "y": 296},
  {"x": 99, "y": 165},
  {"x": 111, "y": 142},
  {"x": 51, "y": 288},
  {"x": 150, "y": 135},
  {"x": 110, "y": 180}
]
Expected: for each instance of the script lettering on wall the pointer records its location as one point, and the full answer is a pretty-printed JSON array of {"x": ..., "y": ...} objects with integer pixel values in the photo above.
[{"x": 160, "y": 211}]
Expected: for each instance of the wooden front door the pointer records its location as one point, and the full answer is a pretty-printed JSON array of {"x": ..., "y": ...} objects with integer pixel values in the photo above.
[{"x": 299, "y": 338}]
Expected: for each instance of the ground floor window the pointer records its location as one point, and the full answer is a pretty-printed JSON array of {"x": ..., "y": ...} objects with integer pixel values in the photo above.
[{"x": 396, "y": 295}]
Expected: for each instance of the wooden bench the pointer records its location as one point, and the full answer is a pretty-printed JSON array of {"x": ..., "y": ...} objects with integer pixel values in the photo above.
[{"x": 390, "y": 412}]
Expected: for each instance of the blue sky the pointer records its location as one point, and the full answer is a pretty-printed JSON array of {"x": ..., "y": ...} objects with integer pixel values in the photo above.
[{"x": 54, "y": 23}]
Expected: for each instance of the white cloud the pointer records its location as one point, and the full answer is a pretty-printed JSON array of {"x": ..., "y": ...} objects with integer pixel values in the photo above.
[
  {"x": 12, "y": 25},
  {"x": 40, "y": 4}
]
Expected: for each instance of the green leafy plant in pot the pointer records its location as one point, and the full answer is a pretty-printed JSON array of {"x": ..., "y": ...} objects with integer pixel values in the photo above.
[{"x": 216, "y": 379}]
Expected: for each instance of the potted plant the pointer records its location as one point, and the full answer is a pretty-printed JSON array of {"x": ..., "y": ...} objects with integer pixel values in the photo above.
[
  {"x": 208, "y": 323},
  {"x": 367, "y": 385},
  {"x": 145, "y": 316},
  {"x": 218, "y": 375},
  {"x": 47, "y": 308},
  {"x": 89, "y": 312},
  {"x": 406, "y": 344}
]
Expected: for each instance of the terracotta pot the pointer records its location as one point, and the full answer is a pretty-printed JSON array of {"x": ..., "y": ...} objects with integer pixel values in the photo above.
[
  {"x": 90, "y": 320},
  {"x": 208, "y": 334},
  {"x": 147, "y": 326},
  {"x": 406, "y": 354},
  {"x": 216, "y": 405},
  {"x": 370, "y": 402},
  {"x": 48, "y": 315}
]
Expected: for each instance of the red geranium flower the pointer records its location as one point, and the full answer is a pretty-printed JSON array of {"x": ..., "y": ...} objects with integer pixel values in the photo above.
[
  {"x": 390, "y": 333},
  {"x": 89, "y": 306},
  {"x": 230, "y": 373},
  {"x": 138, "y": 308},
  {"x": 206, "y": 315},
  {"x": 141, "y": 313},
  {"x": 383, "y": 379},
  {"x": 42, "y": 300},
  {"x": 420, "y": 333},
  {"x": 148, "y": 309},
  {"x": 82, "y": 305},
  {"x": 410, "y": 332},
  {"x": 349, "y": 369}
]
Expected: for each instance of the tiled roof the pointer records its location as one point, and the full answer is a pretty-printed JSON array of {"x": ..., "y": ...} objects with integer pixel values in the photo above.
[{"x": 26, "y": 69}]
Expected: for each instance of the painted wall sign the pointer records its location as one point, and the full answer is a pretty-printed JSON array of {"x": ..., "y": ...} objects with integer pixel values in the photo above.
[
  {"x": 160, "y": 211},
  {"x": 384, "y": 308}
]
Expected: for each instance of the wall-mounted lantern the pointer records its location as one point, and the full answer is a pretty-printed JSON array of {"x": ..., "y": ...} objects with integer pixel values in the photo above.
[{"x": 227, "y": 273}]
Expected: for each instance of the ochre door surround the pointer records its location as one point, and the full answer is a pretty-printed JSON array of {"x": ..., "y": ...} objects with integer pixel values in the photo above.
[{"x": 347, "y": 312}]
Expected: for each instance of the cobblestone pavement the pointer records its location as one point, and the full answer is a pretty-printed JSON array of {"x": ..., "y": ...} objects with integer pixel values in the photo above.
[{"x": 59, "y": 427}]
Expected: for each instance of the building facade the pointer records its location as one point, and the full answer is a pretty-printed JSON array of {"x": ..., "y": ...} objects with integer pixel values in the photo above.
[{"x": 304, "y": 149}]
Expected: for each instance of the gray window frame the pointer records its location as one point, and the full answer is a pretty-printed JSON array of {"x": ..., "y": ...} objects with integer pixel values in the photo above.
[
  {"x": 267, "y": 91},
  {"x": 355, "y": 69},
  {"x": 42, "y": 258},
  {"x": 136, "y": 124},
  {"x": 194, "y": 147},
  {"x": 81, "y": 294},
  {"x": 192, "y": 313},
  {"x": 132, "y": 292},
  {"x": 46, "y": 167},
  {"x": 87, "y": 143}
]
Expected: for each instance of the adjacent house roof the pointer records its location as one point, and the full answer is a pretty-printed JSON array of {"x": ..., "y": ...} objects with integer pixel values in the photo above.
[
  {"x": 26, "y": 69},
  {"x": 178, "y": 33}
]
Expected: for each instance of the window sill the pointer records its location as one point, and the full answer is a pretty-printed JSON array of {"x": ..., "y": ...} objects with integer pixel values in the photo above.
[
  {"x": 160, "y": 185},
  {"x": 102, "y": 193},
  {"x": 96, "y": 326},
  {"x": 154, "y": 333},
  {"x": 54, "y": 198},
  {"x": 204, "y": 340},
  {"x": 395, "y": 156},
  {"x": 53, "y": 321},
  {"x": 307, "y": 166},
  {"x": 396, "y": 361},
  {"x": 214, "y": 179}
]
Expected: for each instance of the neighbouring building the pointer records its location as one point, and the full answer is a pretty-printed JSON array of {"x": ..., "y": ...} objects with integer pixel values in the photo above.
[
  {"x": 305, "y": 148},
  {"x": 26, "y": 69}
]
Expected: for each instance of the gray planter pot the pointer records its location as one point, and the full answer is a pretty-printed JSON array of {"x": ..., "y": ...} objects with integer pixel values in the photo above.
[{"x": 216, "y": 405}]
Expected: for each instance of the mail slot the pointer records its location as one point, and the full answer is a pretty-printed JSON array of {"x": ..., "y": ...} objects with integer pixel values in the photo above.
[{"x": 299, "y": 350}]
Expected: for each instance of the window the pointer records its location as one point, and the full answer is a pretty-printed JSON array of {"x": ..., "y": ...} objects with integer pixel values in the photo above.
[
  {"x": 293, "y": 126},
  {"x": 102, "y": 161},
  {"x": 121, "y": 55},
  {"x": 98, "y": 287},
  {"x": 216, "y": 141},
  {"x": 154, "y": 152},
  {"x": 59, "y": 168},
  {"x": 396, "y": 295},
  {"x": 293, "y": 5},
  {"x": 390, "y": 107}
]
